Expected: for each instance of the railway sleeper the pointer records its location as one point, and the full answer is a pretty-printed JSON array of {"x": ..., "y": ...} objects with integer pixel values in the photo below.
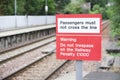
[{"x": 105, "y": 67}]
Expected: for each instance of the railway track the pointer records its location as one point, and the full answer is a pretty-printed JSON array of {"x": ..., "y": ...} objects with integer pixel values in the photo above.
[
  {"x": 19, "y": 58},
  {"x": 55, "y": 70},
  {"x": 42, "y": 69},
  {"x": 25, "y": 48},
  {"x": 105, "y": 25},
  {"x": 17, "y": 63}
]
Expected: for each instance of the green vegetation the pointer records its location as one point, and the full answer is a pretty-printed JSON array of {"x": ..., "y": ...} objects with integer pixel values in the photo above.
[
  {"x": 115, "y": 18},
  {"x": 73, "y": 8},
  {"x": 37, "y": 7},
  {"x": 6, "y": 7},
  {"x": 114, "y": 54},
  {"x": 101, "y": 3},
  {"x": 61, "y": 4},
  {"x": 99, "y": 7},
  {"x": 99, "y": 10},
  {"x": 26, "y": 7}
]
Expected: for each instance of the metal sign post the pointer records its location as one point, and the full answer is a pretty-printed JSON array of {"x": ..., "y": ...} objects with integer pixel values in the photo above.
[
  {"x": 46, "y": 9},
  {"x": 15, "y": 6},
  {"x": 79, "y": 70}
]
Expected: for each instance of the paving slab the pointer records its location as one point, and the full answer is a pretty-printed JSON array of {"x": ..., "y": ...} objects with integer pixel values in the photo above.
[
  {"x": 92, "y": 76},
  {"x": 102, "y": 76},
  {"x": 70, "y": 76}
]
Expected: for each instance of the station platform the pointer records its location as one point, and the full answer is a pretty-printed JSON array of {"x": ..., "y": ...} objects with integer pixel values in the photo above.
[
  {"x": 92, "y": 76},
  {"x": 70, "y": 76},
  {"x": 25, "y": 30}
]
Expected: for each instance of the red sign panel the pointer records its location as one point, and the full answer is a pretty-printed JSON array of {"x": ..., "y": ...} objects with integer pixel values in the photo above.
[{"x": 78, "y": 36}]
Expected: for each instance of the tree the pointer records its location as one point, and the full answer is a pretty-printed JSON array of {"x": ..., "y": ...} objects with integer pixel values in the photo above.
[
  {"x": 99, "y": 10},
  {"x": 72, "y": 9},
  {"x": 26, "y": 7},
  {"x": 33, "y": 7},
  {"x": 109, "y": 11},
  {"x": 76, "y": 7},
  {"x": 101, "y": 3},
  {"x": 1, "y": 12},
  {"x": 7, "y": 7},
  {"x": 20, "y": 7},
  {"x": 115, "y": 17},
  {"x": 51, "y": 7},
  {"x": 60, "y": 5},
  {"x": 99, "y": 7}
]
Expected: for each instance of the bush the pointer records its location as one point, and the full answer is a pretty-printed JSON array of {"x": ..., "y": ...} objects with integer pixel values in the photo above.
[
  {"x": 72, "y": 9},
  {"x": 99, "y": 10},
  {"x": 115, "y": 18}
]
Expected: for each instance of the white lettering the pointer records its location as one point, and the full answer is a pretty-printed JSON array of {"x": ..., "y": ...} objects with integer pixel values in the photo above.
[
  {"x": 67, "y": 54},
  {"x": 68, "y": 39},
  {"x": 83, "y": 54},
  {"x": 82, "y": 50}
]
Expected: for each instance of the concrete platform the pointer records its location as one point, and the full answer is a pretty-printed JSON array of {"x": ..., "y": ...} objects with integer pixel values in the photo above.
[
  {"x": 102, "y": 76},
  {"x": 92, "y": 76},
  {"x": 70, "y": 76},
  {"x": 25, "y": 30}
]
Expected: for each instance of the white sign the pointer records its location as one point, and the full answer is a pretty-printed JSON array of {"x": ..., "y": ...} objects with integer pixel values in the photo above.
[{"x": 78, "y": 25}]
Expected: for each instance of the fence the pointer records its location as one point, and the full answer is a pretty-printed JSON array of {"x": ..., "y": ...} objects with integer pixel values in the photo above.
[{"x": 12, "y": 22}]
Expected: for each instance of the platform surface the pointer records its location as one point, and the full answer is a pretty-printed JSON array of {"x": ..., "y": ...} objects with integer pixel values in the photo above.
[
  {"x": 25, "y": 30},
  {"x": 70, "y": 76},
  {"x": 92, "y": 76},
  {"x": 102, "y": 76}
]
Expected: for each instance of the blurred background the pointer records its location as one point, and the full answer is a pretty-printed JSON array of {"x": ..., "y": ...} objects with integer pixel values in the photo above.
[{"x": 109, "y": 9}]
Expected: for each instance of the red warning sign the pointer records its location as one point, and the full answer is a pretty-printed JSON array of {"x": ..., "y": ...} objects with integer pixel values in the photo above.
[{"x": 78, "y": 36}]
